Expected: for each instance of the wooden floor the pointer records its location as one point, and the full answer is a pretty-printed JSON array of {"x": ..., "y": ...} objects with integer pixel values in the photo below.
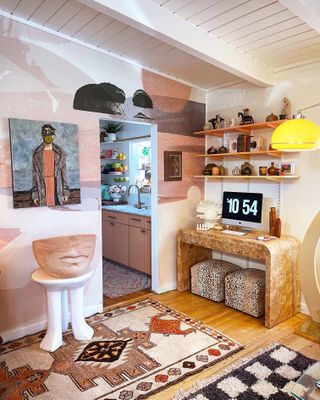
[{"x": 247, "y": 330}]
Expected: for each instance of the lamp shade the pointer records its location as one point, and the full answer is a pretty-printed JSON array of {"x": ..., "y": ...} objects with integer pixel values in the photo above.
[{"x": 296, "y": 135}]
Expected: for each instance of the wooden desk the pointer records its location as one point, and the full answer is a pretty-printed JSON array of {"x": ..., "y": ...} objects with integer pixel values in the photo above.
[{"x": 280, "y": 256}]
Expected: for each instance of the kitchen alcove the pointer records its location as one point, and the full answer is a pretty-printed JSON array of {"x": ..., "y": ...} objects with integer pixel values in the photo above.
[{"x": 126, "y": 218}]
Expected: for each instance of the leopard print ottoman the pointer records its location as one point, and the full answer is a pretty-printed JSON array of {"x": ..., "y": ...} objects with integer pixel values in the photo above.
[
  {"x": 245, "y": 291},
  {"x": 207, "y": 278}
]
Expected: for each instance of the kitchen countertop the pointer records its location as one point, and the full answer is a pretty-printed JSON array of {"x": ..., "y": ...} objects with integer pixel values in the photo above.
[{"x": 129, "y": 210}]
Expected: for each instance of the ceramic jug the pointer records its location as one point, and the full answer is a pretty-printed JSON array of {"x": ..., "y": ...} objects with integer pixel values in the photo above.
[
  {"x": 272, "y": 169},
  {"x": 246, "y": 168},
  {"x": 212, "y": 150},
  {"x": 223, "y": 149}
]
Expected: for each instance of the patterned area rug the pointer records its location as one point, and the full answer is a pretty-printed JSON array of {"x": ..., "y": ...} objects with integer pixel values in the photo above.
[
  {"x": 119, "y": 280},
  {"x": 270, "y": 375},
  {"x": 137, "y": 350}
]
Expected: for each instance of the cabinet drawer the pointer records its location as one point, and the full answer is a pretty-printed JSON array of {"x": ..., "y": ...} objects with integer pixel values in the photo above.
[
  {"x": 122, "y": 218},
  {"x": 140, "y": 222},
  {"x": 147, "y": 223},
  {"x": 136, "y": 220}
]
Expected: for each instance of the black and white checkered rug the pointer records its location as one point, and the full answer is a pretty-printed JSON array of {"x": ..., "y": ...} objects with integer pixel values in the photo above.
[{"x": 270, "y": 375}]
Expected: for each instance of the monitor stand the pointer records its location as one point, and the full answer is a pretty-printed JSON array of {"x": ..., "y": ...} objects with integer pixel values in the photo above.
[{"x": 236, "y": 230}]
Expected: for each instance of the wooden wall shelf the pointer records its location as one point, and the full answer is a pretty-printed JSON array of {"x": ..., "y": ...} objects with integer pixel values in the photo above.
[
  {"x": 266, "y": 177},
  {"x": 244, "y": 154},
  {"x": 246, "y": 129}
]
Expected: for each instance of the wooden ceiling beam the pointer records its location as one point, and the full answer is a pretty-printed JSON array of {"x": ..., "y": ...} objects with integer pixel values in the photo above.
[{"x": 150, "y": 18}]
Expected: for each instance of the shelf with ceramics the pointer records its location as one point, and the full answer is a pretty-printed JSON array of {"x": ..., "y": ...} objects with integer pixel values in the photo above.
[
  {"x": 246, "y": 129},
  {"x": 275, "y": 178},
  {"x": 242, "y": 154}
]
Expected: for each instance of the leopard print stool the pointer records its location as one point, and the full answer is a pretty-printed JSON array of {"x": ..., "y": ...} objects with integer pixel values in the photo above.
[
  {"x": 245, "y": 290},
  {"x": 207, "y": 278}
]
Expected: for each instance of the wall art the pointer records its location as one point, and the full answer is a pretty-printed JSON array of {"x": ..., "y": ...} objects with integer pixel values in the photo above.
[
  {"x": 172, "y": 165},
  {"x": 45, "y": 163}
]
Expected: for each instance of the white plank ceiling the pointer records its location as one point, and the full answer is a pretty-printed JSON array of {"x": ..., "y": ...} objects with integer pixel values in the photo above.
[{"x": 263, "y": 29}]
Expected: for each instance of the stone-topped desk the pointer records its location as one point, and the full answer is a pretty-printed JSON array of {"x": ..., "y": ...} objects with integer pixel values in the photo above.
[{"x": 280, "y": 256}]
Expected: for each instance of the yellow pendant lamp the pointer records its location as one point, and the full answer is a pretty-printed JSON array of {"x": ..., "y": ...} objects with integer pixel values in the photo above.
[{"x": 298, "y": 134}]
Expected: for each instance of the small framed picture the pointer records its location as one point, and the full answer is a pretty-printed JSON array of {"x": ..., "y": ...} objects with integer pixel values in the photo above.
[
  {"x": 233, "y": 145},
  {"x": 256, "y": 143},
  {"x": 286, "y": 167},
  {"x": 172, "y": 165}
]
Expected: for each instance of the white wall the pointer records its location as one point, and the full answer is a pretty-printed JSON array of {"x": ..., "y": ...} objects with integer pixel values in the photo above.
[
  {"x": 39, "y": 75},
  {"x": 300, "y": 198}
]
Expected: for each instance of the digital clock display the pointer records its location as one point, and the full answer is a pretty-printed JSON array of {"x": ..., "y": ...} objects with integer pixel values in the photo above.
[{"x": 242, "y": 206}]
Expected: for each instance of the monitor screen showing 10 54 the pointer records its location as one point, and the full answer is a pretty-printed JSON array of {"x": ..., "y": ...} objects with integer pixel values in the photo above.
[{"x": 242, "y": 209}]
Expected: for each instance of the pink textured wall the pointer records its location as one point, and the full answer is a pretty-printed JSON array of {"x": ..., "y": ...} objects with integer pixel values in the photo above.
[
  {"x": 167, "y": 95},
  {"x": 179, "y": 116},
  {"x": 190, "y": 165}
]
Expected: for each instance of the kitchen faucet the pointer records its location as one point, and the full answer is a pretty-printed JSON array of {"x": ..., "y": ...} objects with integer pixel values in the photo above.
[{"x": 139, "y": 204}]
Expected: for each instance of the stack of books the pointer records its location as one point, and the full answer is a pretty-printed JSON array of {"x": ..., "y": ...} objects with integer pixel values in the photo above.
[{"x": 243, "y": 143}]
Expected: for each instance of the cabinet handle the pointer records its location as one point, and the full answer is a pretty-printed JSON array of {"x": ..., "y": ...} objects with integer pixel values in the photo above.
[
  {"x": 136, "y": 219},
  {"x": 143, "y": 231}
]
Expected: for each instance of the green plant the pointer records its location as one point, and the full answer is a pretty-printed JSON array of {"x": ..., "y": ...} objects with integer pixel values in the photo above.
[{"x": 113, "y": 127}]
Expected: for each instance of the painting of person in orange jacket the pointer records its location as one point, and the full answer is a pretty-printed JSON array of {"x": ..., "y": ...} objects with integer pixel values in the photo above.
[
  {"x": 49, "y": 172},
  {"x": 45, "y": 163}
]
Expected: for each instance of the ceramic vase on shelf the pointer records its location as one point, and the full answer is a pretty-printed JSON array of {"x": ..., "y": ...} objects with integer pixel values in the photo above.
[
  {"x": 272, "y": 170},
  {"x": 271, "y": 117},
  {"x": 215, "y": 171},
  {"x": 246, "y": 168},
  {"x": 212, "y": 150},
  {"x": 223, "y": 149}
]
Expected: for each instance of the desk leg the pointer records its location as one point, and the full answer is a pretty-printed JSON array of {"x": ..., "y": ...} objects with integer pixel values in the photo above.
[
  {"x": 53, "y": 337},
  {"x": 282, "y": 284},
  {"x": 188, "y": 255},
  {"x": 81, "y": 330}
]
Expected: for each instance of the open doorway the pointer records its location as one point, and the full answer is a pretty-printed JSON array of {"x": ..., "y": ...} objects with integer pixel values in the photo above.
[{"x": 127, "y": 186}]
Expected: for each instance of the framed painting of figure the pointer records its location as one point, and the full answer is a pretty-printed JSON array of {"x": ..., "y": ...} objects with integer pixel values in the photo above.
[
  {"x": 45, "y": 163},
  {"x": 172, "y": 165}
]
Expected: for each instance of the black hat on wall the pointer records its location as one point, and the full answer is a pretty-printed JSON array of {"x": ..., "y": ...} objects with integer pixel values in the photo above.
[
  {"x": 142, "y": 99},
  {"x": 103, "y": 97}
]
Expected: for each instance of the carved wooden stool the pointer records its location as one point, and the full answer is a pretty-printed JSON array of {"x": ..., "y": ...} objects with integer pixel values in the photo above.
[
  {"x": 207, "y": 278},
  {"x": 245, "y": 291}
]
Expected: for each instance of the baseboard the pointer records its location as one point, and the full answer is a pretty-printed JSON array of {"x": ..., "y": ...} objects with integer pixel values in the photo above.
[
  {"x": 30, "y": 329},
  {"x": 169, "y": 288},
  {"x": 304, "y": 309}
]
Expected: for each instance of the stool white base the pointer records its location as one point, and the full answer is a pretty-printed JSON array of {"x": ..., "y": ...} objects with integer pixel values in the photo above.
[{"x": 57, "y": 305}]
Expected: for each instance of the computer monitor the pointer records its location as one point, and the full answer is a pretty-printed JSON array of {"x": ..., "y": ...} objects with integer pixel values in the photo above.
[{"x": 242, "y": 209}]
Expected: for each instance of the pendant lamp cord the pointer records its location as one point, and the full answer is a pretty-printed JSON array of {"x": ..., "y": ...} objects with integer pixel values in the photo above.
[{"x": 307, "y": 108}]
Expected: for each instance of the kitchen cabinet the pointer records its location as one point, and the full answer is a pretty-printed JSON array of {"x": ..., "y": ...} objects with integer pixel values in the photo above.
[
  {"x": 115, "y": 241},
  {"x": 127, "y": 239},
  {"x": 140, "y": 249},
  {"x": 147, "y": 252}
]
